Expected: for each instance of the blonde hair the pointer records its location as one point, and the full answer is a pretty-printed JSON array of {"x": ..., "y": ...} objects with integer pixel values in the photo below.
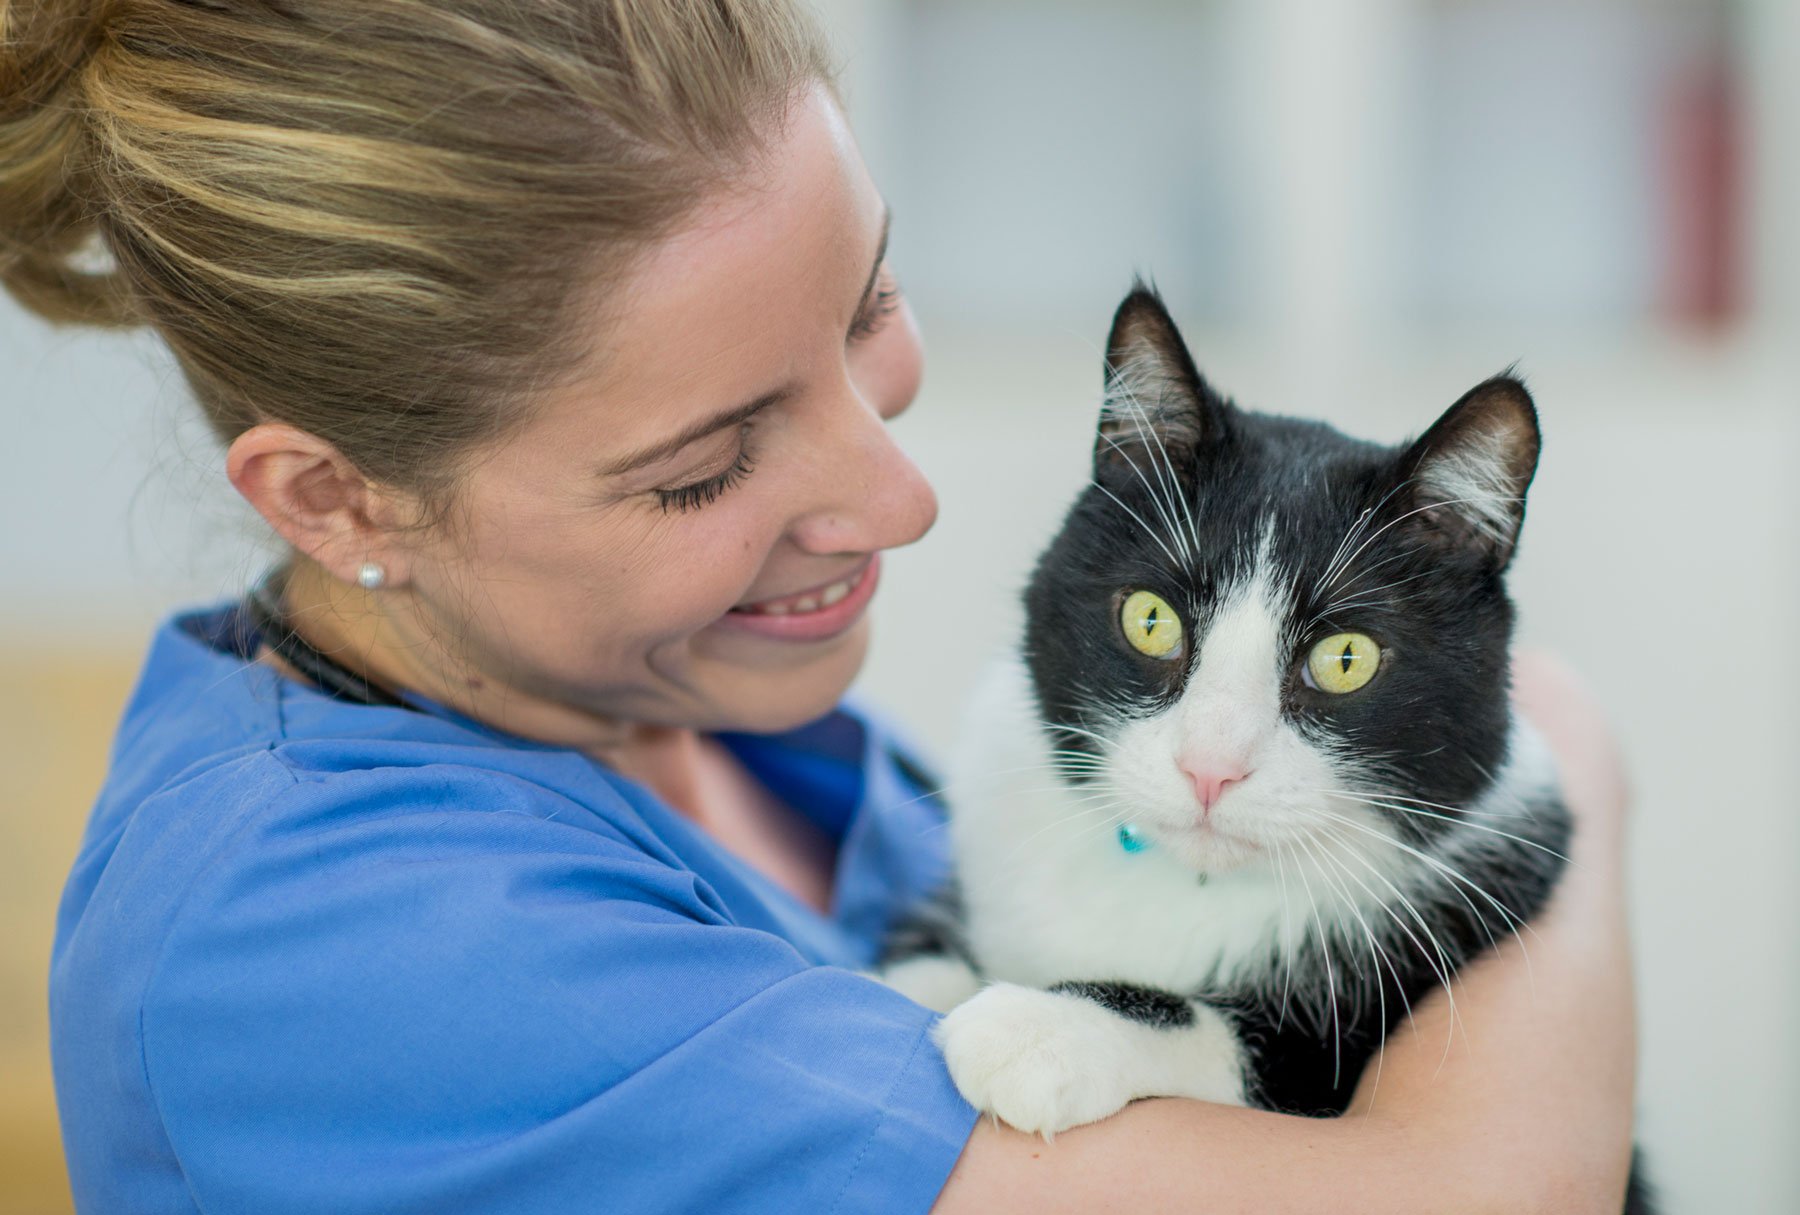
[{"x": 386, "y": 222}]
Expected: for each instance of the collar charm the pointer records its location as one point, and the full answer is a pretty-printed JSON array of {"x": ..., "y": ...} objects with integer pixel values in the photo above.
[{"x": 1131, "y": 839}]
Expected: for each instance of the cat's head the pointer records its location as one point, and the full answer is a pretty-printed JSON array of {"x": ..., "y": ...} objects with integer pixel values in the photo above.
[{"x": 1253, "y": 632}]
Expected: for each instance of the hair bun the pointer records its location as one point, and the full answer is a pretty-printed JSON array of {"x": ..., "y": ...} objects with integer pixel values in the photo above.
[{"x": 48, "y": 196}]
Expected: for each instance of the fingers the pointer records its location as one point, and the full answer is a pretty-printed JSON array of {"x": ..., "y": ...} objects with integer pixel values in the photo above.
[{"x": 1565, "y": 710}]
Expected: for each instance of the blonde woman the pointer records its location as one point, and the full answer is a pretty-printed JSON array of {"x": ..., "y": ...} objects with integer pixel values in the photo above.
[{"x": 508, "y": 847}]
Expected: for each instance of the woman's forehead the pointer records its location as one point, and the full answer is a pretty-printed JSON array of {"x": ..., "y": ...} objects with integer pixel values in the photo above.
[{"x": 761, "y": 281}]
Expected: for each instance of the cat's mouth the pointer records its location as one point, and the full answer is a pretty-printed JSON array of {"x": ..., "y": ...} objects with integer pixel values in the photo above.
[{"x": 1207, "y": 847}]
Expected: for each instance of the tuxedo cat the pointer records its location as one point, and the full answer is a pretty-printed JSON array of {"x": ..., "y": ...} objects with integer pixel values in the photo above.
[{"x": 1253, "y": 785}]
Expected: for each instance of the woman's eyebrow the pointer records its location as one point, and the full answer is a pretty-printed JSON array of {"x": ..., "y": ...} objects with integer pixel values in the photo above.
[{"x": 664, "y": 448}]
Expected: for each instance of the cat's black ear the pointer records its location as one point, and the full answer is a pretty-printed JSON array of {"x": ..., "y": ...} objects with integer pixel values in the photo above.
[
  {"x": 1156, "y": 404},
  {"x": 1468, "y": 474}
]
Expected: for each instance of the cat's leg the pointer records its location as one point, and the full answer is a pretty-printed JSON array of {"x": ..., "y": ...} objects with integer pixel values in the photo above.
[
  {"x": 1044, "y": 1061},
  {"x": 939, "y": 981},
  {"x": 926, "y": 955}
]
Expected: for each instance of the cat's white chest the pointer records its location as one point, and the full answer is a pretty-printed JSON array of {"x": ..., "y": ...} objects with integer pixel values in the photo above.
[{"x": 1051, "y": 895}]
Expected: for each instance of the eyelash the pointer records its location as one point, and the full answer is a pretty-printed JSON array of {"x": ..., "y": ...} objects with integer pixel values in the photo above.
[
  {"x": 875, "y": 316},
  {"x": 704, "y": 493}
]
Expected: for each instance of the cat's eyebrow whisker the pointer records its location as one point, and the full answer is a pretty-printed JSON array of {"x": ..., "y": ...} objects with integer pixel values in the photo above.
[
  {"x": 1174, "y": 479},
  {"x": 1364, "y": 572},
  {"x": 1346, "y": 593},
  {"x": 1444, "y": 818},
  {"x": 1343, "y": 546},
  {"x": 1171, "y": 495},
  {"x": 1485, "y": 498},
  {"x": 1355, "y": 601},
  {"x": 1157, "y": 498},
  {"x": 1148, "y": 530},
  {"x": 1335, "y": 565}
]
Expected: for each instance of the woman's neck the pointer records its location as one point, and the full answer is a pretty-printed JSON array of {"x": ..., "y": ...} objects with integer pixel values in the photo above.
[{"x": 378, "y": 635}]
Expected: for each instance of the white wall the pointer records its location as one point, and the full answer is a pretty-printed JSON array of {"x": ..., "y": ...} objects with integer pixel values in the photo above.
[{"x": 114, "y": 494}]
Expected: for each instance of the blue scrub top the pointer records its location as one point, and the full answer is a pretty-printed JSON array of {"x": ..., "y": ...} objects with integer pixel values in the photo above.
[{"x": 316, "y": 956}]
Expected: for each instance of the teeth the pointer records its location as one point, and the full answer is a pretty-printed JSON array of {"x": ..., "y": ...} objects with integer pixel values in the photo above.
[{"x": 806, "y": 603}]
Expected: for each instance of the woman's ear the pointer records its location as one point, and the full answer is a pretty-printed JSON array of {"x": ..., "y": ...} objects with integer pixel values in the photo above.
[{"x": 319, "y": 502}]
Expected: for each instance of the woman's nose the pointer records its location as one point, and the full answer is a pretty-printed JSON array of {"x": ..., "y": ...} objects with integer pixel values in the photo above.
[{"x": 872, "y": 496}]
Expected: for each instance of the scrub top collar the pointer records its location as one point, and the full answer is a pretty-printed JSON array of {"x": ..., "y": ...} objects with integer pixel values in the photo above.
[{"x": 846, "y": 772}]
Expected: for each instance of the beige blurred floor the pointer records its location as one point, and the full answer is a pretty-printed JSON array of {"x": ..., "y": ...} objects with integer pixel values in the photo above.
[{"x": 56, "y": 721}]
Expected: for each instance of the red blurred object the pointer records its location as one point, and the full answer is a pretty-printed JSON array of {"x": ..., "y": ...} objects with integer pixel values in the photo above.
[{"x": 1703, "y": 285}]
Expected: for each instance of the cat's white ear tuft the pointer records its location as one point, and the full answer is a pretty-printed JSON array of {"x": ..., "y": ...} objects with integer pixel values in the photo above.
[
  {"x": 1155, "y": 398},
  {"x": 1470, "y": 471}
]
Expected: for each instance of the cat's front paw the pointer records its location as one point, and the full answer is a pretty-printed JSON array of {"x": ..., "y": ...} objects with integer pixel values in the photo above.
[{"x": 1039, "y": 1060}]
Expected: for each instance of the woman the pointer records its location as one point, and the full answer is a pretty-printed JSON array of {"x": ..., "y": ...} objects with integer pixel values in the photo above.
[{"x": 507, "y": 849}]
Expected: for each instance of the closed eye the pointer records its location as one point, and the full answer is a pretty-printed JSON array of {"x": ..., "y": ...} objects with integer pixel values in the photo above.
[
  {"x": 874, "y": 314},
  {"x": 696, "y": 494}
]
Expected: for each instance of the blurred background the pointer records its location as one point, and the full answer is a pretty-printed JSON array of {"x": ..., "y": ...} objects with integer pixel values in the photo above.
[{"x": 1357, "y": 211}]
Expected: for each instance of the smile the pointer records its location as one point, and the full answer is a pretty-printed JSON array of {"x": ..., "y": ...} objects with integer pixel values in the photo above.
[
  {"x": 806, "y": 601},
  {"x": 815, "y": 614}
]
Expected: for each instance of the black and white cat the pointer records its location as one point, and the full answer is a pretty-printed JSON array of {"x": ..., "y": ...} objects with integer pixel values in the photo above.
[{"x": 1254, "y": 784}]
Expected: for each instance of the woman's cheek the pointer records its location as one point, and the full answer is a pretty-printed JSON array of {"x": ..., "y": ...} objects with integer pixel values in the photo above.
[{"x": 744, "y": 529}]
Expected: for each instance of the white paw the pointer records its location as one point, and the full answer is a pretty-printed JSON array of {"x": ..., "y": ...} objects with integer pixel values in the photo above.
[
  {"x": 937, "y": 982},
  {"x": 1039, "y": 1060}
]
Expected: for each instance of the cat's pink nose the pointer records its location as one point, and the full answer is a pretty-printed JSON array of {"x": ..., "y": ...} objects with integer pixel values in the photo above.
[{"x": 1211, "y": 778}]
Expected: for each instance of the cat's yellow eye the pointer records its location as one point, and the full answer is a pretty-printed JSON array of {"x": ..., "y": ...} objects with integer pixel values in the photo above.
[
  {"x": 1343, "y": 662},
  {"x": 1150, "y": 624}
]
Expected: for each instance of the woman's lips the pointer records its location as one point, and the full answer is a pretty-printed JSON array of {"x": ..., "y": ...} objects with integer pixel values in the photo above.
[{"x": 812, "y": 615}]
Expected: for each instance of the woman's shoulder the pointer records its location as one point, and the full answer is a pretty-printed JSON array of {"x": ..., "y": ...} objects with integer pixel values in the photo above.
[
  {"x": 229, "y": 738},
  {"x": 221, "y": 767}
]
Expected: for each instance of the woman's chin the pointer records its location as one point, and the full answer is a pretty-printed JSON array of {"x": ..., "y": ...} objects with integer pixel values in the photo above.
[{"x": 791, "y": 686}]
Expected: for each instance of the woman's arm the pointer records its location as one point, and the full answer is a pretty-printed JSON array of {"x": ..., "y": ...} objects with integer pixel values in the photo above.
[{"x": 1530, "y": 1110}]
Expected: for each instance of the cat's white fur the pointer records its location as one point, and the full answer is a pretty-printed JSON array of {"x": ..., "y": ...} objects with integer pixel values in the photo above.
[
  {"x": 1044, "y": 1061},
  {"x": 1051, "y": 896},
  {"x": 1475, "y": 476}
]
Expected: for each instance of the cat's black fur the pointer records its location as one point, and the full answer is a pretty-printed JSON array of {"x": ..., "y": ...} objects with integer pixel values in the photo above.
[{"x": 1429, "y": 584}]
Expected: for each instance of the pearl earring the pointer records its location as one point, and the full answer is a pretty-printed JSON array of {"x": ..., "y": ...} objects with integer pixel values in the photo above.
[{"x": 371, "y": 575}]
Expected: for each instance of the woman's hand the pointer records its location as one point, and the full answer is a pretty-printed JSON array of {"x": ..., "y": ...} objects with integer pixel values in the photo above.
[
  {"x": 1519, "y": 1102},
  {"x": 1544, "y": 1032}
]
